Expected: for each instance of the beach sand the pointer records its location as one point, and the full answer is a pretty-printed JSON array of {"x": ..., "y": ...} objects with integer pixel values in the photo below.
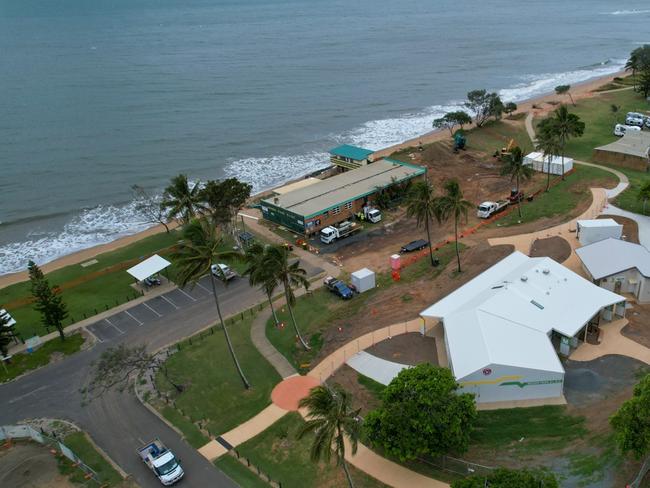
[{"x": 578, "y": 91}]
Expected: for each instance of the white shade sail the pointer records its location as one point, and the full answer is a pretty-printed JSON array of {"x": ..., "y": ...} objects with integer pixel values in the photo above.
[{"x": 148, "y": 267}]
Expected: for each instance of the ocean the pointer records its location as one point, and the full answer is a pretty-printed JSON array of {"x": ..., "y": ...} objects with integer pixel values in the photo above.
[{"x": 97, "y": 96}]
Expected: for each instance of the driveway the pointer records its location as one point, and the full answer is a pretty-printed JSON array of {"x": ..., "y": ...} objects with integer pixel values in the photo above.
[
  {"x": 643, "y": 222},
  {"x": 118, "y": 423}
]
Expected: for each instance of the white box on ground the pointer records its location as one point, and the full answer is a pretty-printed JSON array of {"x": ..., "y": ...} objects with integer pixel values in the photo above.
[
  {"x": 363, "y": 280},
  {"x": 590, "y": 231}
]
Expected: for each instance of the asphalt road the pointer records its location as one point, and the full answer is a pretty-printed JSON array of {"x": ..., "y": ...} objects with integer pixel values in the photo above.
[{"x": 118, "y": 422}]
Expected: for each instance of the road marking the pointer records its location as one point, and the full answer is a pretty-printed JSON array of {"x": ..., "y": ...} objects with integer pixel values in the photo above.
[
  {"x": 116, "y": 327},
  {"x": 147, "y": 305},
  {"x": 140, "y": 440},
  {"x": 93, "y": 334},
  {"x": 15, "y": 399},
  {"x": 169, "y": 301},
  {"x": 201, "y": 286},
  {"x": 187, "y": 295},
  {"x": 129, "y": 314}
]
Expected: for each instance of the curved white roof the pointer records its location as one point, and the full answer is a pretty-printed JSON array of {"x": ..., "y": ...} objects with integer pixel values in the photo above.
[
  {"x": 506, "y": 314},
  {"x": 610, "y": 256}
]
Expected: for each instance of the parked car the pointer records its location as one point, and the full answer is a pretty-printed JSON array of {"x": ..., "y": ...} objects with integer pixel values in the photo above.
[
  {"x": 637, "y": 120},
  {"x": 223, "y": 272},
  {"x": 162, "y": 462},
  {"x": 339, "y": 288},
  {"x": 414, "y": 246},
  {"x": 620, "y": 129}
]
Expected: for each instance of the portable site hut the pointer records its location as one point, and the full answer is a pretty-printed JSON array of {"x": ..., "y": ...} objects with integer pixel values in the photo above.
[
  {"x": 540, "y": 163},
  {"x": 502, "y": 328},
  {"x": 589, "y": 231},
  {"x": 363, "y": 280}
]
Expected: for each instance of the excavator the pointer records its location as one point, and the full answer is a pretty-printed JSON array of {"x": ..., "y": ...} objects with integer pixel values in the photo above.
[{"x": 507, "y": 151}]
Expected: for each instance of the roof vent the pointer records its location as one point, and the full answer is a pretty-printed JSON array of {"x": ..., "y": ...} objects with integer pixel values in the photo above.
[
  {"x": 524, "y": 278},
  {"x": 537, "y": 304},
  {"x": 546, "y": 271}
]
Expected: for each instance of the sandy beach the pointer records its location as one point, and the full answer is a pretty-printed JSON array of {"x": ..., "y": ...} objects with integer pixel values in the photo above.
[{"x": 579, "y": 91}]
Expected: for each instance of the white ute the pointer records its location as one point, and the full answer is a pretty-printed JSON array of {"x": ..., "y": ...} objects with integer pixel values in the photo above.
[
  {"x": 372, "y": 214},
  {"x": 488, "y": 209},
  {"x": 162, "y": 462},
  {"x": 222, "y": 271}
]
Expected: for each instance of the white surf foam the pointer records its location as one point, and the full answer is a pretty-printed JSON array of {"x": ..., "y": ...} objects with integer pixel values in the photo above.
[
  {"x": 91, "y": 227},
  {"x": 627, "y": 12},
  {"x": 535, "y": 85}
]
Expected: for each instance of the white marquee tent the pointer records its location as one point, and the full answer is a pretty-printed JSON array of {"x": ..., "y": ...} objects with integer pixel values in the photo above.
[
  {"x": 498, "y": 327},
  {"x": 540, "y": 163},
  {"x": 148, "y": 267}
]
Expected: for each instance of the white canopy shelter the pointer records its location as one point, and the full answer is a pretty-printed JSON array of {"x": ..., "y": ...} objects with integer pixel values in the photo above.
[
  {"x": 378, "y": 369},
  {"x": 148, "y": 267},
  {"x": 540, "y": 163}
]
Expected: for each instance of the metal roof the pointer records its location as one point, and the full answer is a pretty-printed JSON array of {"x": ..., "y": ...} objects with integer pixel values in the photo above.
[
  {"x": 599, "y": 223},
  {"x": 634, "y": 143},
  {"x": 506, "y": 314},
  {"x": 352, "y": 152},
  {"x": 148, "y": 267},
  {"x": 344, "y": 187},
  {"x": 610, "y": 256}
]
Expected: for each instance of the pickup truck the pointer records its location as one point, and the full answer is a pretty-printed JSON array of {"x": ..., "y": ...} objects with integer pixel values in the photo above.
[
  {"x": 488, "y": 209},
  {"x": 338, "y": 287},
  {"x": 162, "y": 462},
  {"x": 330, "y": 234},
  {"x": 223, "y": 272},
  {"x": 414, "y": 246}
]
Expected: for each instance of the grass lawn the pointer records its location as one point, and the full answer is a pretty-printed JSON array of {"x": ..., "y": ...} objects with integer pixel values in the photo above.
[
  {"x": 239, "y": 473},
  {"x": 213, "y": 389},
  {"x": 96, "y": 288},
  {"x": 317, "y": 311},
  {"x": 277, "y": 452},
  {"x": 628, "y": 200},
  {"x": 526, "y": 430},
  {"x": 562, "y": 198},
  {"x": 24, "y": 362},
  {"x": 495, "y": 134},
  {"x": 83, "y": 448},
  {"x": 599, "y": 120}
]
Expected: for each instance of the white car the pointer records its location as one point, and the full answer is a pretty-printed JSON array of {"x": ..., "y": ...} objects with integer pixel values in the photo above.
[
  {"x": 222, "y": 271},
  {"x": 620, "y": 129},
  {"x": 635, "y": 121}
]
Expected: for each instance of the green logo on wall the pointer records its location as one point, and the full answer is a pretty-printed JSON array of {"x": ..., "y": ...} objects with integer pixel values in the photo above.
[{"x": 522, "y": 384}]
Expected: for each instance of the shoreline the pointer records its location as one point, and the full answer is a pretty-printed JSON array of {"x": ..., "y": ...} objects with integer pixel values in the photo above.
[{"x": 579, "y": 91}]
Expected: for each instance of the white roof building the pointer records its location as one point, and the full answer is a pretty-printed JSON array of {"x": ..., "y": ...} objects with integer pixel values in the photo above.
[
  {"x": 590, "y": 231},
  {"x": 498, "y": 327},
  {"x": 618, "y": 265}
]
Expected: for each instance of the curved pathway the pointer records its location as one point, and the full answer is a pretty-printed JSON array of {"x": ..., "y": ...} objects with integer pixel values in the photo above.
[{"x": 612, "y": 341}]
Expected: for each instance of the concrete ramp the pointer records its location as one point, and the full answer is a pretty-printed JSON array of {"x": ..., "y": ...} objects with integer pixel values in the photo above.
[{"x": 378, "y": 369}]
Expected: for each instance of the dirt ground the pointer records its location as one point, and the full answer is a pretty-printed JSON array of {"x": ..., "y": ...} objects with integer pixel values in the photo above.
[
  {"x": 388, "y": 307},
  {"x": 361, "y": 397},
  {"x": 638, "y": 328},
  {"x": 555, "y": 248},
  {"x": 630, "y": 227},
  {"x": 29, "y": 465},
  {"x": 411, "y": 349}
]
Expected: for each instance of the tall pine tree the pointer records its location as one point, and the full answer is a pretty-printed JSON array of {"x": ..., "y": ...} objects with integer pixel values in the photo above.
[{"x": 49, "y": 302}]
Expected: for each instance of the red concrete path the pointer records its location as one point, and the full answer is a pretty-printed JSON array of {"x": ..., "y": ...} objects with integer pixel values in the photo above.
[{"x": 288, "y": 393}]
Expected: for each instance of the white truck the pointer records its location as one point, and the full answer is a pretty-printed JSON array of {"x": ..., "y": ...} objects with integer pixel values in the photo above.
[
  {"x": 162, "y": 462},
  {"x": 488, "y": 209},
  {"x": 372, "y": 214},
  {"x": 330, "y": 233},
  {"x": 223, "y": 272}
]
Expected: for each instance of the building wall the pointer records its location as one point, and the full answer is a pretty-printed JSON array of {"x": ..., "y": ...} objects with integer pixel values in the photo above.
[
  {"x": 499, "y": 383},
  {"x": 620, "y": 159},
  {"x": 641, "y": 290},
  {"x": 283, "y": 217},
  {"x": 347, "y": 211},
  {"x": 589, "y": 235}
]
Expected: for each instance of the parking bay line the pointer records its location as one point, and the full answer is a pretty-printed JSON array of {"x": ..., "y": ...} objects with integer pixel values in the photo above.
[
  {"x": 116, "y": 327},
  {"x": 201, "y": 286},
  {"x": 147, "y": 305},
  {"x": 129, "y": 314},
  {"x": 169, "y": 301},
  {"x": 187, "y": 295}
]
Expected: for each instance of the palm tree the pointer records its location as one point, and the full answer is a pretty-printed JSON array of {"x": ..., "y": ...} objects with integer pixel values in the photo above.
[
  {"x": 332, "y": 420},
  {"x": 513, "y": 166},
  {"x": 566, "y": 126},
  {"x": 452, "y": 204},
  {"x": 181, "y": 200},
  {"x": 644, "y": 194},
  {"x": 291, "y": 275},
  {"x": 196, "y": 253},
  {"x": 420, "y": 203},
  {"x": 548, "y": 142},
  {"x": 260, "y": 271}
]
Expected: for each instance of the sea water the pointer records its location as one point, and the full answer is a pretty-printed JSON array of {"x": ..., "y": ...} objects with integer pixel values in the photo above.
[{"x": 96, "y": 96}]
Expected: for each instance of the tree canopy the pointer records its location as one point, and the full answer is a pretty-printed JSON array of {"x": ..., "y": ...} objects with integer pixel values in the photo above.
[
  {"x": 422, "y": 415},
  {"x": 47, "y": 300},
  {"x": 451, "y": 120},
  {"x": 224, "y": 198},
  {"x": 631, "y": 422},
  {"x": 483, "y": 105},
  {"x": 509, "y": 478}
]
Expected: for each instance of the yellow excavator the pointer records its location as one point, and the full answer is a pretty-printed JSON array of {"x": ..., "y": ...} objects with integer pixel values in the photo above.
[{"x": 506, "y": 151}]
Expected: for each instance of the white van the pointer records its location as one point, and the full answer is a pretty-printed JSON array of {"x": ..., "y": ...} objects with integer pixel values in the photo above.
[{"x": 620, "y": 129}]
